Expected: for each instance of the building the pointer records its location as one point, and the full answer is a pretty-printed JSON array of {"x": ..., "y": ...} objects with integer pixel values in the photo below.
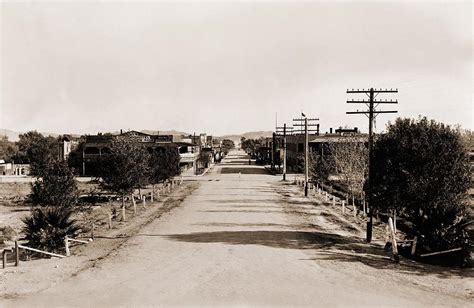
[
  {"x": 65, "y": 146},
  {"x": 96, "y": 146},
  {"x": 14, "y": 169}
]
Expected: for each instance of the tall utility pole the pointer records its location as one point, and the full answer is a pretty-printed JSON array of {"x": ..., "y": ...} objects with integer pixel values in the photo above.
[
  {"x": 306, "y": 147},
  {"x": 371, "y": 114},
  {"x": 278, "y": 130}
]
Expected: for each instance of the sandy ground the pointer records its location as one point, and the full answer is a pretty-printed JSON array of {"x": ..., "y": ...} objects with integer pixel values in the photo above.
[{"x": 245, "y": 238}]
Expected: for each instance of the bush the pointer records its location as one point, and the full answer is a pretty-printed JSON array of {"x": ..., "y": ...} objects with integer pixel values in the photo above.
[
  {"x": 421, "y": 170},
  {"x": 56, "y": 187},
  {"x": 46, "y": 228}
]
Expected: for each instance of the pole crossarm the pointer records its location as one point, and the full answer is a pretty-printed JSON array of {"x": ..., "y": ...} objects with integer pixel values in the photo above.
[
  {"x": 366, "y": 112},
  {"x": 376, "y": 101},
  {"x": 373, "y": 90},
  {"x": 302, "y": 120}
]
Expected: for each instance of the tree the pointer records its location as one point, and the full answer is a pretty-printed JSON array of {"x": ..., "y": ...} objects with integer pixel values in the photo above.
[
  {"x": 7, "y": 148},
  {"x": 348, "y": 159},
  {"x": 125, "y": 167},
  {"x": 36, "y": 150},
  {"x": 421, "y": 169},
  {"x": 74, "y": 159},
  {"x": 163, "y": 165},
  {"x": 320, "y": 167},
  {"x": 56, "y": 186}
]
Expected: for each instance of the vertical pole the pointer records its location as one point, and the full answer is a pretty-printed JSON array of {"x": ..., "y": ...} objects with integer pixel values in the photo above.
[
  {"x": 394, "y": 240},
  {"x": 109, "y": 221},
  {"x": 17, "y": 254},
  {"x": 273, "y": 151},
  {"x": 83, "y": 164},
  {"x": 284, "y": 152},
  {"x": 66, "y": 244},
  {"x": 306, "y": 158},
  {"x": 123, "y": 213},
  {"x": 134, "y": 205},
  {"x": 413, "y": 246},
  {"x": 369, "y": 167},
  {"x": 92, "y": 230},
  {"x": 4, "y": 255}
]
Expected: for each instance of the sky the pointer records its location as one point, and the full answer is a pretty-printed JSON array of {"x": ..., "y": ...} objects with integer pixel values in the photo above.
[{"x": 229, "y": 67}]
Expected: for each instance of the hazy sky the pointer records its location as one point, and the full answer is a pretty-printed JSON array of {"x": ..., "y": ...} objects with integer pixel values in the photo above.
[{"x": 229, "y": 67}]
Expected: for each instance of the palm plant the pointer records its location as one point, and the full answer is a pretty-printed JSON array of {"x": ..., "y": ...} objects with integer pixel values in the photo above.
[{"x": 46, "y": 228}]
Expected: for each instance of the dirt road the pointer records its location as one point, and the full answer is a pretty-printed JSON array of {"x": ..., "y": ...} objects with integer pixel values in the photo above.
[{"x": 246, "y": 238}]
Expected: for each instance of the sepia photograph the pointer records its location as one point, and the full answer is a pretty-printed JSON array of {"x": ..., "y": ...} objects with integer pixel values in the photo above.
[{"x": 257, "y": 153}]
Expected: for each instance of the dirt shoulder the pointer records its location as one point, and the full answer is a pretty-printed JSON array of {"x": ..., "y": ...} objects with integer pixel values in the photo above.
[
  {"x": 343, "y": 248},
  {"x": 36, "y": 275}
]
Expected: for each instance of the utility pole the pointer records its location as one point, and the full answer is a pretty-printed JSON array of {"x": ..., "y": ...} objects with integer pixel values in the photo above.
[
  {"x": 371, "y": 114},
  {"x": 306, "y": 147},
  {"x": 279, "y": 132}
]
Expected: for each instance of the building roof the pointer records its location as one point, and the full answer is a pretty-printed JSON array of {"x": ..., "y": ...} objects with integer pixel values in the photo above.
[{"x": 338, "y": 138}]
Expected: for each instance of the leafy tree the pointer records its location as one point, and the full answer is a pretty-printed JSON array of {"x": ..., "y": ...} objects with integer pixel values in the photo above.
[
  {"x": 421, "y": 169},
  {"x": 56, "y": 186},
  {"x": 348, "y": 159},
  {"x": 46, "y": 228},
  {"x": 74, "y": 159},
  {"x": 320, "y": 167},
  {"x": 7, "y": 148},
  {"x": 163, "y": 165},
  {"x": 37, "y": 150},
  {"x": 125, "y": 167}
]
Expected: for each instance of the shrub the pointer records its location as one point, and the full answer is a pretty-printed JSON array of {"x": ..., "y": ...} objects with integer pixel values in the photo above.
[
  {"x": 421, "y": 169},
  {"x": 56, "y": 187},
  {"x": 47, "y": 227}
]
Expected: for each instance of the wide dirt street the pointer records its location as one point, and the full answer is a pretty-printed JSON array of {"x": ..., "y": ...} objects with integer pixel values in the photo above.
[{"x": 245, "y": 238}]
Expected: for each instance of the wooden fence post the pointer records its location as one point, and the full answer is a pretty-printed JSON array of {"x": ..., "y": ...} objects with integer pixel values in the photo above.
[
  {"x": 109, "y": 220},
  {"x": 5, "y": 255},
  {"x": 123, "y": 213},
  {"x": 151, "y": 197},
  {"x": 413, "y": 246},
  {"x": 395, "y": 221},
  {"x": 343, "y": 207},
  {"x": 66, "y": 245},
  {"x": 144, "y": 202},
  {"x": 134, "y": 205},
  {"x": 17, "y": 254},
  {"x": 92, "y": 230},
  {"x": 394, "y": 240}
]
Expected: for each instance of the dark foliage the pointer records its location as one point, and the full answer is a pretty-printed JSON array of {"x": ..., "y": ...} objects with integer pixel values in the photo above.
[
  {"x": 125, "y": 168},
  {"x": 56, "y": 187},
  {"x": 37, "y": 150},
  {"x": 7, "y": 149},
  {"x": 46, "y": 228},
  {"x": 421, "y": 169},
  {"x": 163, "y": 165}
]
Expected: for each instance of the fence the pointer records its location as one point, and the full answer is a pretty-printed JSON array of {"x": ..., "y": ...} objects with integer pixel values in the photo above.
[{"x": 17, "y": 246}]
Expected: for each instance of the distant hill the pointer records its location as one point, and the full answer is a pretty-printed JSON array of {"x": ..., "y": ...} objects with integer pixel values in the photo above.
[
  {"x": 248, "y": 135},
  {"x": 11, "y": 135}
]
